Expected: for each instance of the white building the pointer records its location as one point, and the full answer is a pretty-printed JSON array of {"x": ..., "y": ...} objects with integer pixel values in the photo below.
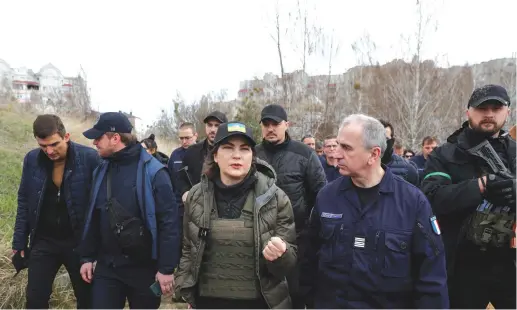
[{"x": 49, "y": 82}]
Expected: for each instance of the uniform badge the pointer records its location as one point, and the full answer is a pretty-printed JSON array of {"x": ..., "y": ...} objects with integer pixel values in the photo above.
[{"x": 434, "y": 225}]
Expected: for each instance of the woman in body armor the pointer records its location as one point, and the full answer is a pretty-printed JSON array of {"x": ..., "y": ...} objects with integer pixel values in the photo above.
[{"x": 238, "y": 231}]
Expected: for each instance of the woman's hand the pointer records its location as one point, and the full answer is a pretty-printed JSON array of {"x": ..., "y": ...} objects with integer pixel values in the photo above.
[{"x": 274, "y": 249}]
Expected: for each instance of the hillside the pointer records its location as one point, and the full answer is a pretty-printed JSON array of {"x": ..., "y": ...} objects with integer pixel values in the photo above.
[{"x": 15, "y": 141}]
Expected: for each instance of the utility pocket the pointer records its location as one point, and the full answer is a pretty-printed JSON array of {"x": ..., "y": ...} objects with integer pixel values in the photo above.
[{"x": 397, "y": 258}]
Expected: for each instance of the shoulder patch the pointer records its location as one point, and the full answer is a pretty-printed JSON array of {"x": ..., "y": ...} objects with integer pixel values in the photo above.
[
  {"x": 331, "y": 215},
  {"x": 434, "y": 225}
]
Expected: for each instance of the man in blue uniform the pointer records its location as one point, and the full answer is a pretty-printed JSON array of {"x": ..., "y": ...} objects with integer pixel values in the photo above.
[
  {"x": 373, "y": 240},
  {"x": 187, "y": 135}
]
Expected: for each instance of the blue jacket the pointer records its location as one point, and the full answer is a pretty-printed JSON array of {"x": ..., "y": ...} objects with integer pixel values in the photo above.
[
  {"x": 419, "y": 161},
  {"x": 80, "y": 163},
  {"x": 404, "y": 169},
  {"x": 383, "y": 255},
  {"x": 155, "y": 199},
  {"x": 175, "y": 164},
  {"x": 331, "y": 172}
]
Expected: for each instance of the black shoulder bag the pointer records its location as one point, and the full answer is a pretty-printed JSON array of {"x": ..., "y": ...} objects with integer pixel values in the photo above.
[{"x": 133, "y": 237}]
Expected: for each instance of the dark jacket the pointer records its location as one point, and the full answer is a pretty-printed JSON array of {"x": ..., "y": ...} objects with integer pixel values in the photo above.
[
  {"x": 192, "y": 166},
  {"x": 419, "y": 161},
  {"x": 299, "y": 174},
  {"x": 404, "y": 169},
  {"x": 331, "y": 172},
  {"x": 382, "y": 255},
  {"x": 451, "y": 185},
  {"x": 150, "y": 194},
  {"x": 79, "y": 167},
  {"x": 273, "y": 217},
  {"x": 162, "y": 158},
  {"x": 174, "y": 166}
]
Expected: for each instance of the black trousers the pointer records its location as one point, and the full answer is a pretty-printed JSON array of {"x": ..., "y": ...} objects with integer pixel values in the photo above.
[
  {"x": 293, "y": 279},
  {"x": 477, "y": 283},
  {"x": 46, "y": 257},
  {"x": 112, "y": 285}
]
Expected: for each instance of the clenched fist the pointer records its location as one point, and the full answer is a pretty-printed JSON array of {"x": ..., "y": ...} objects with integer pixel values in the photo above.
[{"x": 274, "y": 249}]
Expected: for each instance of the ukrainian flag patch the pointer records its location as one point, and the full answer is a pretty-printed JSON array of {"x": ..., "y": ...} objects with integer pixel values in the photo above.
[{"x": 232, "y": 127}]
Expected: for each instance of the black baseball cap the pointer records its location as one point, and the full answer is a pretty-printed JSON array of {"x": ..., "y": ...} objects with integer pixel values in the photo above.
[
  {"x": 273, "y": 112},
  {"x": 109, "y": 122},
  {"x": 231, "y": 129},
  {"x": 489, "y": 93},
  {"x": 220, "y": 116}
]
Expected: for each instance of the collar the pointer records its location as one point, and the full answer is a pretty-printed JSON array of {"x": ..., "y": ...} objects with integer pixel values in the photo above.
[
  {"x": 385, "y": 186},
  {"x": 273, "y": 147}
]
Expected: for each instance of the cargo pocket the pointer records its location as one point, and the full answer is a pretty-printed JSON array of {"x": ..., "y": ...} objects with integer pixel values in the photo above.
[
  {"x": 397, "y": 260},
  {"x": 327, "y": 241}
]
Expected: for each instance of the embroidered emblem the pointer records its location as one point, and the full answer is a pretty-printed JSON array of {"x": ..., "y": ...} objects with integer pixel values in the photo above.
[{"x": 359, "y": 242}]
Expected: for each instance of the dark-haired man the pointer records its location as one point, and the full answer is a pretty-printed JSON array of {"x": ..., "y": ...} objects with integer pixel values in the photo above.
[
  {"x": 52, "y": 200},
  {"x": 474, "y": 201},
  {"x": 299, "y": 174},
  {"x": 190, "y": 173}
]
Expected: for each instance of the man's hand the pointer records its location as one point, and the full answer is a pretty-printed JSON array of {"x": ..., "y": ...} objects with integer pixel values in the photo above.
[
  {"x": 274, "y": 249},
  {"x": 87, "y": 272},
  {"x": 184, "y": 197},
  {"x": 22, "y": 253},
  {"x": 166, "y": 282},
  {"x": 500, "y": 191}
]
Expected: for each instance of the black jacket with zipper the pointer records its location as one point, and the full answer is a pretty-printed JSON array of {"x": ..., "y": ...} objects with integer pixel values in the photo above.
[{"x": 451, "y": 183}]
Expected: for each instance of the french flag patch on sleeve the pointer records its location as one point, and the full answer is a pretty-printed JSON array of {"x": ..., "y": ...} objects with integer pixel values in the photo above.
[{"x": 434, "y": 225}]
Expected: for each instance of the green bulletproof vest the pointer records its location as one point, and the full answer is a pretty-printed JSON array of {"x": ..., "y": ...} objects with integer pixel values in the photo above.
[
  {"x": 228, "y": 265},
  {"x": 491, "y": 226}
]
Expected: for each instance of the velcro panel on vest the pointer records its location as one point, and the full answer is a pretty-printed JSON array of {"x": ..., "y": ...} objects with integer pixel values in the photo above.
[{"x": 228, "y": 268}]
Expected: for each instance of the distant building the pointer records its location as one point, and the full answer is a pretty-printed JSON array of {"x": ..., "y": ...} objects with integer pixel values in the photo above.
[{"x": 48, "y": 82}]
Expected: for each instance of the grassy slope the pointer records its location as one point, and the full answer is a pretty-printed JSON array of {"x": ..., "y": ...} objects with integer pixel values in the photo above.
[{"x": 15, "y": 141}]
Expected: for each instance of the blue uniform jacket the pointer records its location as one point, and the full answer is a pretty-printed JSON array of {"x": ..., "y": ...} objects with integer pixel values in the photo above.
[
  {"x": 331, "y": 172},
  {"x": 161, "y": 212},
  {"x": 175, "y": 164},
  {"x": 385, "y": 255},
  {"x": 80, "y": 163}
]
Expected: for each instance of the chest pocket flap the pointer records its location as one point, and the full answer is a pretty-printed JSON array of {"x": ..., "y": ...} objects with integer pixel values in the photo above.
[{"x": 397, "y": 258}]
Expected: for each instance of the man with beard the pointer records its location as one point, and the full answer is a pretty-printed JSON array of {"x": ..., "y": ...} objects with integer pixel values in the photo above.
[
  {"x": 190, "y": 173},
  {"x": 399, "y": 166},
  {"x": 476, "y": 205},
  {"x": 299, "y": 174}
]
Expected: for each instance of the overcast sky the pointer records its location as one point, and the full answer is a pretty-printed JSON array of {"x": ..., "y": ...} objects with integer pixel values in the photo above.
[{"x": 137, "y": 54}]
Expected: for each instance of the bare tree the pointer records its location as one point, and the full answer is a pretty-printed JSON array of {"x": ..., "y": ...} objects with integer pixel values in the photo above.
[{"x": 277, "y": 38}]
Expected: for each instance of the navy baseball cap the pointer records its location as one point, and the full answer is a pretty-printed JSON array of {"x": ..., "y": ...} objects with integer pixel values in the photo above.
[
  {"x": 493, "y": 93},
  {"x": 227, "y": 130},
  {"x": 109, "y": 122},
  {"x": 217, "y": 115},
  {"x": 273, "y": 112}
]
